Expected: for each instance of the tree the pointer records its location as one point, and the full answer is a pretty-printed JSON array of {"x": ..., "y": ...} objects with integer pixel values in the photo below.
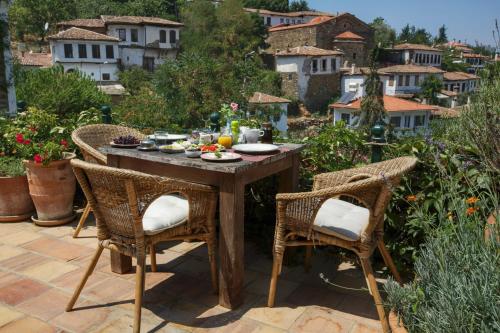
[
  {"x": 385, "y": 36},
  {"x": 372, "y": 104},
  {"x": 415, "y": 36},
  {"x": 448, "y": 64},
  {"x": 30, "y": 16},
  {"x": 442, "y": 36},
  {"x": 134, "y": 78},
  {"x": 298, "y": 5},
  {"x": 430, "y": 87},
  {"x": 274, "y": 5}
]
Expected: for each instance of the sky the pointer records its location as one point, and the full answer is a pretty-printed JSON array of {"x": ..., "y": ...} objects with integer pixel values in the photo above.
[{"x": 466, "y": 20}]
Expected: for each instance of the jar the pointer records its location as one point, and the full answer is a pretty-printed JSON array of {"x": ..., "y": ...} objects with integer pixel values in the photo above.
[
  {"x": 268, "y": 133},
  {"x": 225, "y": 140}
]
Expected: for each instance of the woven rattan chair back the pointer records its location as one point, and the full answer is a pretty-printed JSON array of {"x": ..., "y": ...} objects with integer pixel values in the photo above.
[{"x": 89, "y": 138}]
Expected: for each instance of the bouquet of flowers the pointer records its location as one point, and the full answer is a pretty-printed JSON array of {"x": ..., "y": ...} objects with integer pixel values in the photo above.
[{"x": 228, "y": 111}]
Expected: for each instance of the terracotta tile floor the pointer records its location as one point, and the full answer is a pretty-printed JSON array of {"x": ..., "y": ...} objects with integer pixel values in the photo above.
[{"x": 39, "y": 268}]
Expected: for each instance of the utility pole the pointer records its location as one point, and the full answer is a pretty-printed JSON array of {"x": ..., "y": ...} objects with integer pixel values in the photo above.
[{"x": 7, "y": 56}]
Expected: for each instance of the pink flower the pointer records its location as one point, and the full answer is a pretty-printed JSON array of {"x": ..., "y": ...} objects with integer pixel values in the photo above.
[
  {"x": 19, "y": 138},
  {"x": 234, "y": 106},
  {"x": 64, "y": 143},
  {"x": 37, "y": 158}
]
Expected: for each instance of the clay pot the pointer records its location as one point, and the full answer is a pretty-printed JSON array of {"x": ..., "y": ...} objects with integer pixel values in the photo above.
[
  {"x": 52, "y": 189},
  {"x": 15, "y": 201},
  {"x": 396, "y": 324}
]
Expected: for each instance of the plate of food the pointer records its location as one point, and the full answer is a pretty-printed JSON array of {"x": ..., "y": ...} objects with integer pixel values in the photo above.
[
  {"x": 221, "y": 157},
  {"x": 256, "y": 148},
  {"x": 193, "y": 151},
  {"x": 212, "y": 148},
  {"x": 174, "y": 148},
  {"x": 127, "y": 141}
]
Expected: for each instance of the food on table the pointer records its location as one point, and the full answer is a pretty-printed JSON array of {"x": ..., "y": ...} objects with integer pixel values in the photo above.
[
  {"x": 184, "y": 144},
  {"x": 192, "y": 147},
  {"x": 225, "y": 140},
  {"x": 126, "y": 140},
  {"x": 212, "y": 148},
  {"x": 173, "y": 147}
]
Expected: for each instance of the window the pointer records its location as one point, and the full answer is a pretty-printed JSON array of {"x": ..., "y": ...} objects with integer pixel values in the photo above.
[
  {"x": 268, "y": 21},
  {"x": 323, "y": 65},
  {"x": 173, "y": 36},
  {"x": 391, "y": 80},
  {"x": 334, "y": 64},
  {"x": 400, "y": 80},
  {"x": 396, "y": 121},
  {"x": 163, "y": 36},
  {"x": 287, "y": 21},
  {"x": 346, "y": 118},
  {"x": 427, "y": 59},
  {"x": 82, "y": 51},
  {"x": 282, "y": 20},
  {"x": 417, "y": 80},
  {"x": 407, "y": 82},
  {"x": 407, "y": 121},
  {"x": 439, "y": 59},
  {"x": 134, "y": 35},
  {"x": 290, "y": 77},
  {"x": 110, "y": 54},
  {"x": 68, "y": 50},
  {"x": 293, "y": 21},
  {"x": 122, "y": 34},
  {"x": 315, "y": 65},
  {"x": 354, "y": 56},
  {"x": 463, "y": 87},
  {"x": 96, "y": 51},
  {"x": 106, "y": 76},
  {"x": 419, "y": 121}
]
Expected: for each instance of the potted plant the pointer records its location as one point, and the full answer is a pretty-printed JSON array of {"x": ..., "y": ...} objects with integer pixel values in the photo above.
[
  {"x": 46, "y": 156},
  {"x": 15, "y": 201}
]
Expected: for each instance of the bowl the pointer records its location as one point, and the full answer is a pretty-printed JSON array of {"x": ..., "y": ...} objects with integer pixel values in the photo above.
[
  {"x": 147, "y": 144},
  {"x": 193, "y": 153}
]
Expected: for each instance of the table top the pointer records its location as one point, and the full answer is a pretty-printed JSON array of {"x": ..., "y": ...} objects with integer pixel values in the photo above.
[{"x": 180, "y": 159}]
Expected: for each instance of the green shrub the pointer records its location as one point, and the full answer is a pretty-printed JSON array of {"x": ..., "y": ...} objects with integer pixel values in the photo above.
[
  {"x": 54, "y": 90},
  {"x": 11, "y": 167}
]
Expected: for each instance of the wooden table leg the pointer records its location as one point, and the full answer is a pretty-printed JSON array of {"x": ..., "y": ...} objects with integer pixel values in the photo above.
[
  {"x": 231, "y": 243},
  {"x": 289, "y": 178},
  {"x": 120, "y": 263}
]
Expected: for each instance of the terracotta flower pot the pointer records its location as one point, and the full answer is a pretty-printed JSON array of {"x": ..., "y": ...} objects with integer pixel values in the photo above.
[
  {"x": 396, "y": 324},
  {"x": 52, "y": 189},
  {"x": 15, "y": 201}
]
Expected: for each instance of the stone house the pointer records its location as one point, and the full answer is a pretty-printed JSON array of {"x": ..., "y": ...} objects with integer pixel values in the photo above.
[
  {"x": 309, "y": 74},
  {"x": 404, "y": 116},
  {"x": 326, "y": 32}
]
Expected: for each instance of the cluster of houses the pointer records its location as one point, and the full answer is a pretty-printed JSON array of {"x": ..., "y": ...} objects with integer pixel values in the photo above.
[{"x": 319, "y": 56}]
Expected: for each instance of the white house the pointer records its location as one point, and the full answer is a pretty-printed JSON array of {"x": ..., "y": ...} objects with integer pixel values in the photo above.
[
  {"x": 460, "y": 82},
  {"x": 137, "y": 41},
  {"x": 403, "y": 115},
  {"x": 276, "y": 18},
  {"x": 417, "y": 54},
  {"x": 399, "y": 80},
  {"x": 299, "y": 66},
  {"x": 92, "y": 53},
  {"x": 280, "y": 122},
  {"x": 474, "y": 61}
]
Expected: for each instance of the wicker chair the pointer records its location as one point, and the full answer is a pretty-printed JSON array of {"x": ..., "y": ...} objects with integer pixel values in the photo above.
[
  {"x": 321, "y": 217},
  {"x": 88, "y": 139},
  {"x": 134, "y": 211}
]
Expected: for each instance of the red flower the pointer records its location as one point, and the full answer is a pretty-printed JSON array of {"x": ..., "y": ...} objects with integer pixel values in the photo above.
[
  {"x": 38, "y": 158},
  {"x": 32, "y": 129},
  {"x": 19, "y": 138},
  {"x": 27, "y": 142},
  {"x": 64, "y": 143}
]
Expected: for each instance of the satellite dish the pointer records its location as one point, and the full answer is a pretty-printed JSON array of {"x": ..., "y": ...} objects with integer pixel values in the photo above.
[{"x": 46, "y": 26}]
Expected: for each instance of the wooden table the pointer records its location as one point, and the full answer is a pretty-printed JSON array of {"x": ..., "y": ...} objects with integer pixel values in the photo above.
[{"x": 231, "y": 179}]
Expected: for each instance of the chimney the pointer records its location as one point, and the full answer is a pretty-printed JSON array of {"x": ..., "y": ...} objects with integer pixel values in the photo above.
[{"x": 353, "y": 69}]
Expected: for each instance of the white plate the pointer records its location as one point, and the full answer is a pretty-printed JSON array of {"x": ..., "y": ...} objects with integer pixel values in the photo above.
[
  {"x": 170, "y": 137},
  {"x": 256, "y": 148},
  {"x": 225, "y": 157}
]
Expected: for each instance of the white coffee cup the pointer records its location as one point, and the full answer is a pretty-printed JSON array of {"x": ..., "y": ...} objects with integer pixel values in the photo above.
[
  {"x": 252, "y": 135},
  {"x": 206, "y": 138}
]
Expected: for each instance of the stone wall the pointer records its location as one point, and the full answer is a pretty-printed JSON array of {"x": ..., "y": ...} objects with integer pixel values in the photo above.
[
  {"x": 351, "y": 48},
  {"x": 283, "y": 39},
  {"x": 320, "y": 90},
  {"x": 290, "y": 85}
]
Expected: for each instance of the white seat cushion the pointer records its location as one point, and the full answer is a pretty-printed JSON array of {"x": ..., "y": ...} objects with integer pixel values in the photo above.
[
  {"x": 166, "y": 212},
  {"x": 342, "y": 219}
]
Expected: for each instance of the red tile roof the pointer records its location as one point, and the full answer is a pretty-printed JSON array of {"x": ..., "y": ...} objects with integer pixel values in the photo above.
[
  {"x": 307, "y": 51},
  {"x": 449, "y": 93},
  {"x": 261, "y": 98},
  {"x": 314, "y": 22},
  {"x": 410, "y": 68},
  {"x": 391, "y": 104},
  {"x": 82, "y": 34},
  {"x": 475, "y": 55},
  {"x": 349, "y": 35},
  {"x": 139, "y": 20},
  {"x": 443, "y": 112},
  {"x": 87, "y": 23},
  {"x": 459, "y": 76},
  {"x": 35, "y": 59},
  {"x": 420, "y": 47}
]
